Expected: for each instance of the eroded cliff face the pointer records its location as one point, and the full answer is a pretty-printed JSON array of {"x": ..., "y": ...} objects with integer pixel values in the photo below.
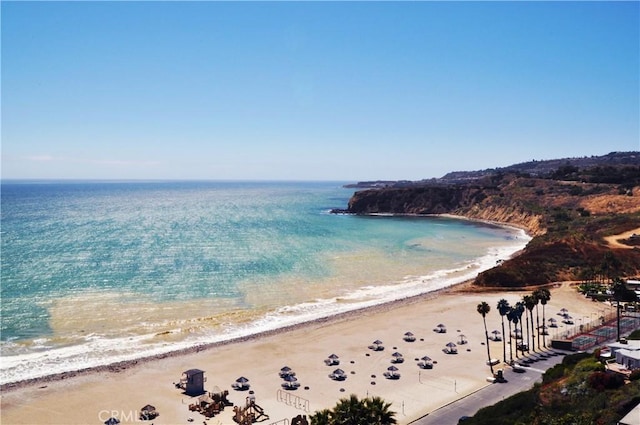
[
  {"x": 514, "y": 216},
  {"x": 476, "y": 202}
]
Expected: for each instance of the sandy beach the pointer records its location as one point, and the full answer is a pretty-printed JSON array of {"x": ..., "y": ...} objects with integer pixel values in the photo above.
[{"x": 91, "y": 398}]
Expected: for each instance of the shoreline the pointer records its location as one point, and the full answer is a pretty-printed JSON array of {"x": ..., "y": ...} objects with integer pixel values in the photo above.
[{"x": 121, "y": 366}]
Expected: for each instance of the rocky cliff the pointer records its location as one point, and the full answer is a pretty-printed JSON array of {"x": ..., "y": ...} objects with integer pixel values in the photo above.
[{"x": 482, "y": 202}]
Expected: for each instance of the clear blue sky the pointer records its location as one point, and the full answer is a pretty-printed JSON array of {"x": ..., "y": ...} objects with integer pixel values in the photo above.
[{"x": 313, "y": 91}]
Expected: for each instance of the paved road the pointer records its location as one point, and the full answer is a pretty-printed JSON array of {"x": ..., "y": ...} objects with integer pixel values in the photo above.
[{"x": 487, "y": 396}]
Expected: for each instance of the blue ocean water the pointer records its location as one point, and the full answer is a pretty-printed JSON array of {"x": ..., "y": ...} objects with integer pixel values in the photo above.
[{"x": 96, "y": 272}]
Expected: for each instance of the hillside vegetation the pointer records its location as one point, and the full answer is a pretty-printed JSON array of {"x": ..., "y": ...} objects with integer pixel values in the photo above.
[
  {"x": 568, "y": 209},
  {"x": 576, "y": 392}
]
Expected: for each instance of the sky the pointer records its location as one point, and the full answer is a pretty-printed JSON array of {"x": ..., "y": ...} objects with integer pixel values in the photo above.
[{"x": 345, "y": 91}]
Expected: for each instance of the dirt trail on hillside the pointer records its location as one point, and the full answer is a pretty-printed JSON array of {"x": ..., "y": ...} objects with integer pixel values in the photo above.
[{"x": 613, "y": 241}]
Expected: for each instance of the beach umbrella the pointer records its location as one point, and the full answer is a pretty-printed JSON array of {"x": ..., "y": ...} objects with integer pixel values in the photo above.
[
  {"x": 333, "y": 357},
  {"x": 409, "y": 337},
  {"x": 552, "y": 320},
  {"x": 396, "y": 355},
  {"x": 286, "y": 371},
  {"x": 242, "y": 380},
  {"x": 377, "y": 342},
  {"x": 393, "y": 370},
  {"x": 426, "y": 358},
  {"x": 290, "y": 378},
  {"x": 441, "y": 325},
  {"x": 451, "y": 345},
  {"x": 495, "y": 332},
  {"x": 338, "y": 372},
  {"x": 563, "y": 311},
  {"x": 111, "y": 421}
]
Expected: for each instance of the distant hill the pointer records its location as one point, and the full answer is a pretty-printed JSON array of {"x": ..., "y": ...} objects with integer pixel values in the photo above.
[
  {"x": 546, "y": 168},
  {"x": 567, "y": 167}
]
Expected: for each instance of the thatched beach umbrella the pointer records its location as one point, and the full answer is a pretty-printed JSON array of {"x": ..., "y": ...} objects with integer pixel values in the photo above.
[
  {"x": 334, "y": 357},
  {"x": 112, "y": 421},
  {"x": 286, "y": 371},
  {"x": 290, "y": 378},
  {"x": 397, "y": 358},
  {"x": 241, "y": 384},
  {"x": 425, "y": 363},
  {"x": 149, "y": 412},
  {"x": 451, "y": 348}
]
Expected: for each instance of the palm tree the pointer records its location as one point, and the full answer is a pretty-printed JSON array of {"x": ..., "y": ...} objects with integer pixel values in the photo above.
[
  {"x": 519, "y": 310},
  {"x": 378, "y": 411},
  {"x": 512, "y": 317},
  {"x": 536, "y": 300},
  {"x": 349, "y": 411},
  {"x": 352, "y": 411},
  {"x": 530, "y": 303},
  {"x": 544, "y": 296},
  {"x": 321, "y": 417},
  {"x": 503, "y": 308},
  {"x": 483, "y": 308},
  {"x": 610, "y": 267}
]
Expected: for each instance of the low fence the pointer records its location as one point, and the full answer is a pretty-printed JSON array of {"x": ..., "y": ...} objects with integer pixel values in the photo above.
[
  {"x": 293, "y": 400},
  {"x": 584, "y": 336}
]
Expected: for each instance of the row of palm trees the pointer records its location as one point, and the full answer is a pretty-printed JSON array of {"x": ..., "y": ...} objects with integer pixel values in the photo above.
[{"x": 514, "y": 315}]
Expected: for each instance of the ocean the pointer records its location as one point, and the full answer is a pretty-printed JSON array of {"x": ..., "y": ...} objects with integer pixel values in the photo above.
[{"x": 99, "y": 272}]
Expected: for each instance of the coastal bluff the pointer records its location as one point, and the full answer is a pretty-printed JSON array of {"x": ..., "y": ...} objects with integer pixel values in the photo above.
[
  {"x": 569, "y": 211},
  {"x": 475, "y": 202}
]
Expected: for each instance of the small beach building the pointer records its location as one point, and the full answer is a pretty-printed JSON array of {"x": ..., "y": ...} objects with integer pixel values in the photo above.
[
  {"x": 193, "y": 382},
  {"x": 626, "y": 353},
  {"x": 629, "y": 359}
]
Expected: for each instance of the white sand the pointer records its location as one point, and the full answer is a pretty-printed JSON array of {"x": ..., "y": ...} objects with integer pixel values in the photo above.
[{"x": 92, "y": 398}]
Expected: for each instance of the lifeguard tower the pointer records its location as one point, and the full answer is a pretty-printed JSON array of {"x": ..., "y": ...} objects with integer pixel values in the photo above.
[{"x": 192, "y": 382}]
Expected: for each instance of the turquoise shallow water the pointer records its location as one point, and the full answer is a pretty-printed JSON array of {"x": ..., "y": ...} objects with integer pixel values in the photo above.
[{"x": 96, "y": 272}]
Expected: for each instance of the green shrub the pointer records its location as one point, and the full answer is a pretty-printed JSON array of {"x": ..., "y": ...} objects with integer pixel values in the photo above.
[
  {"x": 601, "y": 381},
  {"x": 635, "y": 375},
  {"x": 573, "y": 359},
  {"x": 556, "y": 372}
]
